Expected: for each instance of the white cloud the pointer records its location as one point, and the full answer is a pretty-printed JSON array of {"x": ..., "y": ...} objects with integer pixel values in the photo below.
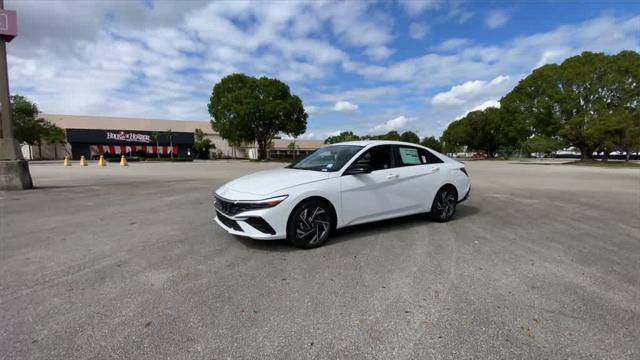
[
  {"x": 344, "y": 106},
  {"x": 496, "y": 18},
  {"x": 453, "y": 44},
  {"x": 484, "y": 105},
  {"x": 459, "y": 12},
  {"x": 311, "y": 109},
  {"x": 487, "y": 104},
  {"x": 607, "y": 34},
  {"x": 418, "y": 30},
  {"x": 472, "y": 91},
  {"x": 122, "y": 58},
  {"x": 379, "y": 52},
  {"x": 353, "y": 22},
  {"x": 360, "y": 95},
  {"x": 417, "y": 7},
  {"x": 397, "y": 123}
]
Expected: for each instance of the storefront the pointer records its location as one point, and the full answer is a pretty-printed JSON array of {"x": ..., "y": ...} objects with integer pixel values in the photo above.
[{"x": 92, "y": 143}]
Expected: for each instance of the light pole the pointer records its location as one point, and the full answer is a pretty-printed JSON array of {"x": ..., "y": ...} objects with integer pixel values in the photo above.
[{"x": 14, "y": 170}]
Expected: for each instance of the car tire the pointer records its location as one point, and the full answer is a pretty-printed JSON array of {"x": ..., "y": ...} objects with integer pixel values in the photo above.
[
  {"x": 444, "y": 204},
  {"x": 310, "y": 224}
]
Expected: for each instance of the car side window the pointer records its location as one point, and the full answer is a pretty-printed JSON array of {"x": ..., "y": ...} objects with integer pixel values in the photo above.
[
  {"x": 378, "y": 157},
  {"x": 431, "y": 158},
  {"x": 409, "y": 155}
]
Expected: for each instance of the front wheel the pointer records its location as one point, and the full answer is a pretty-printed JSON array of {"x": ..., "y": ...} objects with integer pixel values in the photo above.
[
  {"x": 310, "y": 224},
  {"x": 444, "y": 205}
]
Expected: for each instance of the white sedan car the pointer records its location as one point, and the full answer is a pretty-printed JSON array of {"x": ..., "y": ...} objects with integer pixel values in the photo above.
[{"x": 340, "y": 185}]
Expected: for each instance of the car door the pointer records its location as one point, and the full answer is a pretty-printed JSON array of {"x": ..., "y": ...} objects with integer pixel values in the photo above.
[
  {"x": 419, "y": 176},
  {"x": 368, "y": 197}
]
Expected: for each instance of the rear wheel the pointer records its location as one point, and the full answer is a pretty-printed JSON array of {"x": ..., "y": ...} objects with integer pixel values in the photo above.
[
  {"x": 444, "y": 205},
  {"x": 310, "y": 224}
]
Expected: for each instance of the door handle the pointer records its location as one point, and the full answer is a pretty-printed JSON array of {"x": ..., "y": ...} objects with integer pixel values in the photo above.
[
  {"x": 392, "y": 176},
  {"x": 433, "y": 170}
]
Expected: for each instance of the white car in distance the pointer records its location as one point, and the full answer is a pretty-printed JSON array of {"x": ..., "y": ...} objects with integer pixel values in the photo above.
[{"x": 340, "y": 185}]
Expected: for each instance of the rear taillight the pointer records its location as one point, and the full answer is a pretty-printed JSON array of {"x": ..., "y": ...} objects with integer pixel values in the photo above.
[{"x": 464, "y": 171}]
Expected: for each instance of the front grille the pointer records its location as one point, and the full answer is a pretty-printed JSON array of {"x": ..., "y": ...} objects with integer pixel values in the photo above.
[
  {"x": 260, "y": 224},
  {"x": 232, "y": 208},
  {"x": 228, "y": 222}
]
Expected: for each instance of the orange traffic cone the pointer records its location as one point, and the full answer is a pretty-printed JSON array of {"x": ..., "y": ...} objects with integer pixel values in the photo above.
[
  {"x": 123, "y": 161},
  {"x": 102, "y": 161},
  {"x": 83, "y": 161},
  {"x": 66, "y": 161}
]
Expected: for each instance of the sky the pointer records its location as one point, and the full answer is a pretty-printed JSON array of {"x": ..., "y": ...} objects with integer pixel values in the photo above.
[{"x": 368, "y": 67}]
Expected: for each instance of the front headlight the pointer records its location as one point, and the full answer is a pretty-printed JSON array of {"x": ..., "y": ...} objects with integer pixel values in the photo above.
[
  {"x": 234, "y": 207},
  {"x": 263, "y": 204}
]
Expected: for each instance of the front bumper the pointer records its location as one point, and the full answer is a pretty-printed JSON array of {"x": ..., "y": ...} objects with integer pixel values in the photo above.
[
  {"x": 261, "y": 224},
  {"x": 466, "y": 196},
  {"x": 245, "y": 229}
]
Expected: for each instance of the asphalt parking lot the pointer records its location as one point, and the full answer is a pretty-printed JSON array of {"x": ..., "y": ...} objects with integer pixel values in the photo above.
[{"x": 542, "y": 262}]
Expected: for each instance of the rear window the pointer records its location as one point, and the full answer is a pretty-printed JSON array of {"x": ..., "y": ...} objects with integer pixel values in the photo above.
[{"x": 409, "y": 155}]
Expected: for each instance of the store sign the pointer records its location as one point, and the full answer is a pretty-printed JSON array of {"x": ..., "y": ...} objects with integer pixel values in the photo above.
[
  {"x": 128, "y": 136},
  {"x": 8, "y": 26}
]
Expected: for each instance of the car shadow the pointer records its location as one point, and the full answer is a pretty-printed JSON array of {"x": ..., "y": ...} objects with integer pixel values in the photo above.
[
  {"x": 390, "y": 225},
  {"x": 359, "y": 231}
]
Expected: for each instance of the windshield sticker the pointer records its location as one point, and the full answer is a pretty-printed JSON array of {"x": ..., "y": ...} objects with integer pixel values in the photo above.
[{"x": 409, "y": 156}]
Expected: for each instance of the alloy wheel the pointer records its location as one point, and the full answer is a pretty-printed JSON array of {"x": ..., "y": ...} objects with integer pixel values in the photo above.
[
  {"x": 312, "y": 225},
  {"x": 445, "y": 204}
]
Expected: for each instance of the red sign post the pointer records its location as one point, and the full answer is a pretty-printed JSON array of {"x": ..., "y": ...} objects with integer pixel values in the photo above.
[
  {"x": 8, "y": 25},
  {"x": 14, "y": 170}
]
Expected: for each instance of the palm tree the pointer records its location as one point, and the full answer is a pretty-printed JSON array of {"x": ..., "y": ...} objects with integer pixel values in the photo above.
[
  {"x": 156, "y": 135},
  {"x": 169, "y": 133},
  {"x": 293, "y": 147}
]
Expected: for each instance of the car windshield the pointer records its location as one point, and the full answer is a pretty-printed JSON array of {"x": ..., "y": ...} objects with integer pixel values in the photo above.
[{"x": 328, "y": 158}]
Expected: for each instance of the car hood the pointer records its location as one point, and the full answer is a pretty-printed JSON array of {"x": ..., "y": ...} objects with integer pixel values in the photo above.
[{"x": 269, "y": 181}]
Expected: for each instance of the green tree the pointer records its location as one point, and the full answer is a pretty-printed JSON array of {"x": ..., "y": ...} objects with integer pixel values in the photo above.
[
  {"x": 293, "y": 148},
  {"x": 456, "y": 136},
  {"x": 630, "y": 137},
  {"x": 577, "y": 99},
  {"x": 482, "y": 131},
  {"x": 391, "y": 135},
  {"x": 28, "y": 128},
  {"x": 542, "y": 144},
  {"x": 156, "y": 135},
  {"x": 489, "y": 130},
  {"x": 432, "y": 143},
  {"x": 410, "y": 136},
  {"x": 247, "y": 109},
  {"x": 54, "y": 135},
  {"x": 202, "y": 144},
  {"x": 342, "y": 137}
]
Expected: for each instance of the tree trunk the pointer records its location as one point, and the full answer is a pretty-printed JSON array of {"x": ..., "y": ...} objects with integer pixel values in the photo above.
[
  {"x": 39, "y": 151},
  {"x": 171, "y": 145},
  {"x": 585, "y": 154},
  {"x": 605, "y": 155},
  {"x": 55, "y": 151},
  {"x": 628, "y": 156},
  {"x": 157, "y": 149},
  {"x": 262, "y": 151}
]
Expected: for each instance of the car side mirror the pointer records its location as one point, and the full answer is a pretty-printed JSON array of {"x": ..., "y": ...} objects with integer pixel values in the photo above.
[{"x": 358, "y": 168}]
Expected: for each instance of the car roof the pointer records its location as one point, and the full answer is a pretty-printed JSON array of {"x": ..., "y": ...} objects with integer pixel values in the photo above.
[{"x": 375, "y": 142}]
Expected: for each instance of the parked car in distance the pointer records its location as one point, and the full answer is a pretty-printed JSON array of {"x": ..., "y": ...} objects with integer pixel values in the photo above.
[{"x": 340, "y": 185}]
